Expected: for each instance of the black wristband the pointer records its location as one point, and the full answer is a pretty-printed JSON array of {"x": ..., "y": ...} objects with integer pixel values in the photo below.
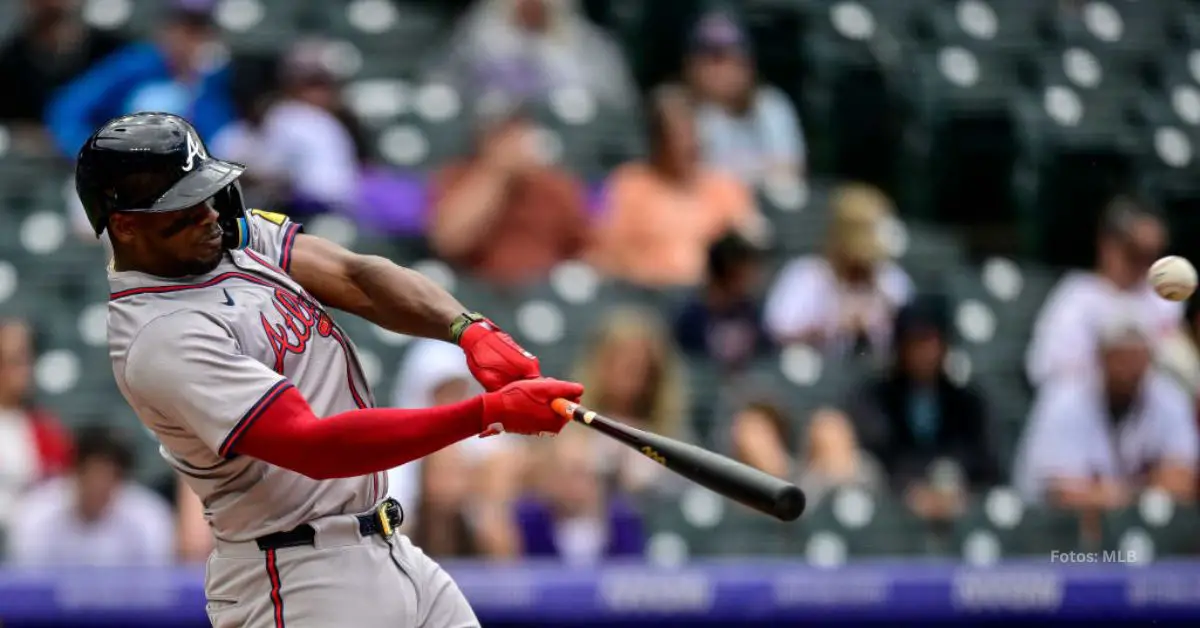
[{"x": 461, "y": 322}]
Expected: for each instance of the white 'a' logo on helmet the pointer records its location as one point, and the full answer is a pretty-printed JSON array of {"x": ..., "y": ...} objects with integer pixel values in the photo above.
[{"x": 194, "y": 149}]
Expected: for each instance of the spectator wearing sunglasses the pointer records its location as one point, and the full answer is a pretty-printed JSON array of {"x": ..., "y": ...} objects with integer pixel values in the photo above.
[{"x": 1065, "y": 338}]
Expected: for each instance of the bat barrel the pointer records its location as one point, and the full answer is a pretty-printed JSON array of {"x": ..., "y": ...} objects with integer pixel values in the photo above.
[
  {"x": 737, "y": 481},
  {"x": 789, "y": 502}
]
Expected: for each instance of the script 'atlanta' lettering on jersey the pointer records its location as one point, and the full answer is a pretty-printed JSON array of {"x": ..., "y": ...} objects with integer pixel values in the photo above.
[{"x": 299, "y": 318}]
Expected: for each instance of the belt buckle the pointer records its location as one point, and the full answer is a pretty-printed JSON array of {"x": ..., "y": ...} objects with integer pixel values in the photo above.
[{"x": 384, "y": 513}]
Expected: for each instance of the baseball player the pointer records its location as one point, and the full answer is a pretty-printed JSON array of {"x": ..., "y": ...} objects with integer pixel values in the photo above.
[{"x": 221, "y": 343}]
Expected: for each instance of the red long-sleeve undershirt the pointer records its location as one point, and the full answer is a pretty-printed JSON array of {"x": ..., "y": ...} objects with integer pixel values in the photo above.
[{"x": 287, "y": 434}]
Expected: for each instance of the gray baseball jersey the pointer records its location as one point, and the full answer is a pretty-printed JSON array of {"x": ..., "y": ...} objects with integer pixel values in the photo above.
[{"x": 199, "y": 359}]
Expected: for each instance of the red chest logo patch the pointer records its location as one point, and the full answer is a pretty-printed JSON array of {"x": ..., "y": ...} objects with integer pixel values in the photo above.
[{"x": 300, "y": 318}]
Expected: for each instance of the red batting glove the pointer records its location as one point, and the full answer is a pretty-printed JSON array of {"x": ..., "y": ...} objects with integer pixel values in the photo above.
[
  {"x": 495, "y": 359},
  {"x": 523, "y": 407}
]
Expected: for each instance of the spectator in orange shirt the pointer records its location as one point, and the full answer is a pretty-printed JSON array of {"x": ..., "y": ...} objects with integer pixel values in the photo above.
[
  {"x": 503, "y": 214},
  {"x": 661, "y": 215}
]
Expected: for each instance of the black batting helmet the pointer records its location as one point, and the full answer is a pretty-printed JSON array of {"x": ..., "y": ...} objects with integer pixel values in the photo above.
[{"x": 156, "y": 162}]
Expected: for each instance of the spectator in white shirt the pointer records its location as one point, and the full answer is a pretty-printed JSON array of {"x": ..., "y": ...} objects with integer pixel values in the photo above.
[
  {"x": 435, "y": 373},
  {"x": 1064, "y": 337},
  {"x": 531, "y": 49},
  {"x": 843, "y": 301},
  {"x": 97, "y": 517},
  {"x": 1092, "y": 442},
  {"x": 301, "y": 139},
  {"x": 746, "y": 128}
]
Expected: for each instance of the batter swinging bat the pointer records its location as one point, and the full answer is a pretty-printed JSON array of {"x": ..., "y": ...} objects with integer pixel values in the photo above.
[{"x": 756, "y": 489}]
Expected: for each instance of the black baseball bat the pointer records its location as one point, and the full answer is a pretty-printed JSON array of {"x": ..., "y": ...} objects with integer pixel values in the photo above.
[{"x": 720, "y": 474}]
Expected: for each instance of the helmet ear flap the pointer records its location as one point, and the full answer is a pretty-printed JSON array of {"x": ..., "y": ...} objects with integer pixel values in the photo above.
[{"x": 231, "y": 210}]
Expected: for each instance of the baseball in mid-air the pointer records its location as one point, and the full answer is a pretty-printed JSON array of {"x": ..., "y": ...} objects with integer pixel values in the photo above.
[{"x": 1173, "y": 278}]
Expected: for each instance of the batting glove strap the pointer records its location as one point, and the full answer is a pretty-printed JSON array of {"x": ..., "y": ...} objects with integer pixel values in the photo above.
[{"x": 464, "y": 320}]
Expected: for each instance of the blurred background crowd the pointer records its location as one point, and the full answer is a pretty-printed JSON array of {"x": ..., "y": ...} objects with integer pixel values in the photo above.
[{"x": 893, "y": 250}]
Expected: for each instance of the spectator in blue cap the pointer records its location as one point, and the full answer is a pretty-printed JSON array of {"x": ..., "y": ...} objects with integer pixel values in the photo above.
[
  {"x": 746, "y": 128},
  {"x": 182, "y": 71}
]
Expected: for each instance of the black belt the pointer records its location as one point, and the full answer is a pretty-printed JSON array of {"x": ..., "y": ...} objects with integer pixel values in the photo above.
[{"x": 384, "y": 521}]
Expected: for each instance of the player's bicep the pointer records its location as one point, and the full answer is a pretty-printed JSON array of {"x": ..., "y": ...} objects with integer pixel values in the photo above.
[
  {"x": 191, "y": 371},
  {"x": 327, "y": 271}
]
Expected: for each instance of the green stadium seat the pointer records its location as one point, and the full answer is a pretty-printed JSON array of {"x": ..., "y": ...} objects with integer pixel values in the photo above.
[
  {"x": 1175, "y": 68},
  {"x": 864, "y": 525},
  {"x": 1155, "y": 523},
  {"x": 669, "y": 527},
  {"x": 998, "y": 26},
  {"x": 965, "y": 79},
  {"x": 1118, "y": 25},
  {"x": 1000, "y": 523},
  {"x": 259, "y": 25},
  {"x": 406, "y": 32},
  {"x": 742, "y": 531}
]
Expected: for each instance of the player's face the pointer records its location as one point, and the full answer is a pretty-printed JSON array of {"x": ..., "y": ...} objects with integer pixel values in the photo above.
[{"x": 180, "y": 243}]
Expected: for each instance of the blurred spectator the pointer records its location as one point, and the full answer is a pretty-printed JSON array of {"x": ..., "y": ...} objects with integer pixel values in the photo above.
[
  {"x": 193, "y": 539},
  {"x": 1178, "y": 354},
  {"x": 930, "y": 434},
  {"x": 842, "y": 301},
  {"x": 244, "y": 141},
  {"x": 570, "y": 515},
  {"x": 300, "y": 142},
  {"x": 502, "y": 214},
  {"x": 1064, "y": 341},
  {"x": 662, "y": 215},
  {"x": 52, "y": 47},
  {"x": 33, "y": 445},
  {"x": 389, "y": 201},
  {"x": 183, "y": 71},
  {"x": 98, "y": 517},
  {"x": 631, "y": 372},
  {"x": 827, "y": 457},
  {"x": 442, "y": 527},
  {"x": 724, "y": 321},
  {"x": 435, "y": 373},
  {"x": 745, "y": 128},
  {"x": 531, "y": 48},
  {"x": 1093, "y": 441}
]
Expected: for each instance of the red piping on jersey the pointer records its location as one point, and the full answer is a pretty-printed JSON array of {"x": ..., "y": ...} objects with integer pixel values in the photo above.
[
  {"x": 252, "y": 415},
  {"x": 262, "y": 260},
  {"x": 289, "y": 239},
  {"x": 354, "y": 443},
  {"x": 341, "y": 340},
  {"x": 337, "y": 336},
  {"x": 194, "y": 286},
  {"x": 276, "y": 585}
]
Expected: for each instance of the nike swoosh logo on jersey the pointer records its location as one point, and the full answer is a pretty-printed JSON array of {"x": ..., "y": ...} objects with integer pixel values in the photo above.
[{"x": 228, "y": 299}]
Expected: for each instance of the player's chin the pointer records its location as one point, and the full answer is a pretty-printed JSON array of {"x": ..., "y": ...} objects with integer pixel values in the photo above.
[{"x": 204, "y": 262}]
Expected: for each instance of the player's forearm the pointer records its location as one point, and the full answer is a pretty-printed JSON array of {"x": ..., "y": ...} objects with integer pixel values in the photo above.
[
  {"x": 353, "y": 443},
  {"x": 403, "y": 300}
]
